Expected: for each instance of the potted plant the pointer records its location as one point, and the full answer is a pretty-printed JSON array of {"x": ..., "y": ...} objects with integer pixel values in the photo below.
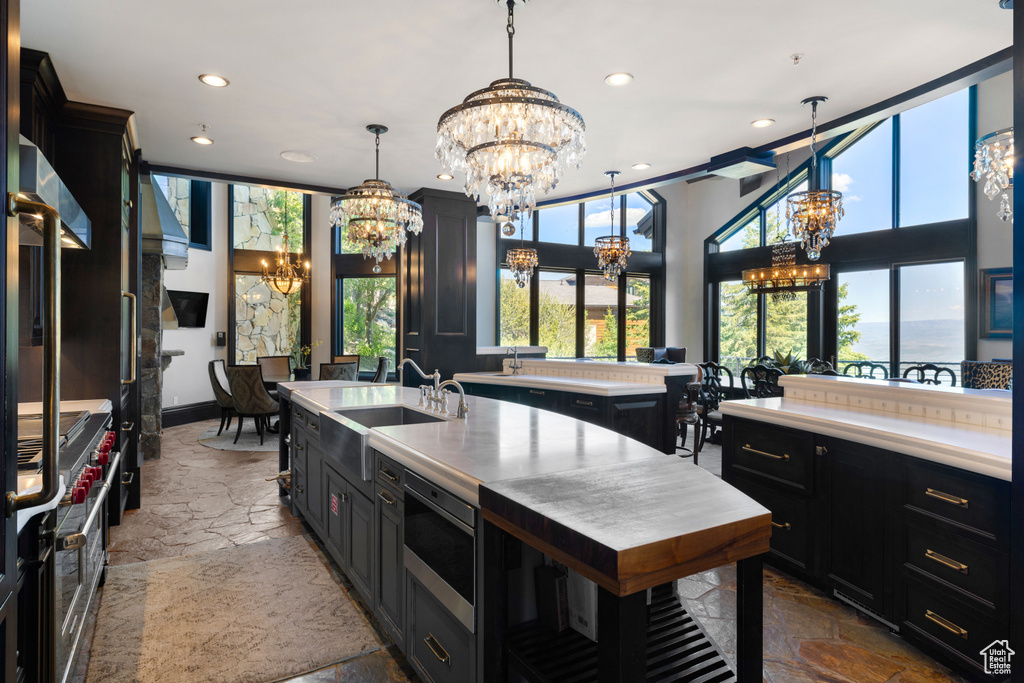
[
  {"x": 789, "y": 364},
  {"x": 300, "y": 358}
]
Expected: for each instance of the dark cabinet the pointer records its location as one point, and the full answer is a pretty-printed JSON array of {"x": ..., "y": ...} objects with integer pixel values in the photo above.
[
  {"x": 336, "y": 522},
  {"x": 438, "y": 646},
  {"x": 315, "y": 490},
  {"x": 390, "y": 575},
  {"x": 360, "y": 544},
  {"x": 854, "y": 555}
]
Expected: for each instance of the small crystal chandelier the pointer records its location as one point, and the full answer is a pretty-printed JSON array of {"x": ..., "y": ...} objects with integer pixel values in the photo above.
[
  {"x": 376, "y": 214},
  {"x": 288, "y": 277},
  {"x": 993, "y": 161},
  {"x": 512, "y": 139},
  {"x": 521, "y": 260},
  {"x": 784, "y": 278},
  {"x": 613, "y": 250},
  {"x": 812, "y": 215}
]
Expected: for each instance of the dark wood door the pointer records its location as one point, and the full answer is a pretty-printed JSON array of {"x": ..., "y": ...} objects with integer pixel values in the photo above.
[
  {"x": 9, "y": 86},
  {"x": 855, "y": 558}
]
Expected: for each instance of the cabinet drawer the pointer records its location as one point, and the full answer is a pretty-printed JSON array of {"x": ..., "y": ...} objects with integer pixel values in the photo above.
[
  {"x": 440, "y": 648},
  {"x": 932, "y": 615},
  {"x": 390, "y": 474},
  {"x": 976, "y": 569},
  {"x": 313, "y": 427},
  {"x": 774, "y": 453},
  {"x": 541, "y": 398},
  {"x": 299, "y": 448},
  {"x": 966, "y": 501},
  {"x": 586, "y": 408},
  {"x": 299, "y": 416},
  {"x": 792, "y": 523}
]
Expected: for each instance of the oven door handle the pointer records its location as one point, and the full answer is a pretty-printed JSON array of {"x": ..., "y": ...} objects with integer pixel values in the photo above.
[
  {"x": 79, "y": 539},
  {"x": 447, "y": 516}
]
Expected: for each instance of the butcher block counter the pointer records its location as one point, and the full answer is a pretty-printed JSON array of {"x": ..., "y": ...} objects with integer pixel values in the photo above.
[{"x": 617, "y": 512}]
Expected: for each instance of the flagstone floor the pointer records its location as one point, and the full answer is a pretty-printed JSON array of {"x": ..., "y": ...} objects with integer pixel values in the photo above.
[{"x": 196, "y": 499}]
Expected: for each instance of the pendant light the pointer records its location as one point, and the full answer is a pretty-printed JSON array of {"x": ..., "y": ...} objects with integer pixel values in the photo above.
[
  {"x": 521, "y": 260},
  {"x": 288, "y": 276},
  {"x": 812, "y": 215},
  {"x": 613, "y": 250},
  {"x": 513, "y": 140},
  {"x": 993, "y": 161},
  {"x": 375, "y": 214}
]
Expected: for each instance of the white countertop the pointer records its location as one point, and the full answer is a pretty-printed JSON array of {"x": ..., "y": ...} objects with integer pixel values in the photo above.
[
  {"x": 976, "y": 448},
  {"x": 553, "y": 366},
  {"x": 580, "y": 385},
  {"x": 99, "y": 405},
  {"x": 498, "y": 441},
  {"x": 285, "y": 389},
  {"x": 503, "y": 350}
]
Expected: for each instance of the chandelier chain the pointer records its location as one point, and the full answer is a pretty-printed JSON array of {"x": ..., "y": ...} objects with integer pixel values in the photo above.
[
  {"x": 376, "y": 168},
  {"x": 510, "y": 28},
  {"x": 814, "y": 134}
]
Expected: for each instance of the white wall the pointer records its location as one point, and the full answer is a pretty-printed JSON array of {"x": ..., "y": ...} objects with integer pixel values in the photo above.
[
  {"x": 995, "y": 238},
  {"x": 186, "y": 379},
  {"x": 486, "y": 284}
]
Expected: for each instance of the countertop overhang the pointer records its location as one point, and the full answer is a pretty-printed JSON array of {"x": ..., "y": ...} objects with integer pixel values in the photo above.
[{"x": 576, "y": 385}]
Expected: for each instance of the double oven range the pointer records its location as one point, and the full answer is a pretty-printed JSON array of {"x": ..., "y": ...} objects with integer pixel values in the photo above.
[{"x": 62, "y": 553}]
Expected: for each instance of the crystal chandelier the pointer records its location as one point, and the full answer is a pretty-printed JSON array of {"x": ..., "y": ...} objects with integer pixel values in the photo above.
[
  {"x": 613, "y": 250},
  {"x": 376, "y": 214},
  {"x": 521, "y": 260},
  {"x": 993, "y": 161},
  {"x": 288, "y": 277},
  {"x": 784, "y": 278},
  {"x": 812, "y": 215},
  {"x": 513, "y": 140}
]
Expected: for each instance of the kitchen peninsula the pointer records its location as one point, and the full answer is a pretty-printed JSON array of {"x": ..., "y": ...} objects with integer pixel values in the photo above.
[
  {"x": 893, "y": 497},
  {"x": 376, "y": 475},
  {"x": 639, "y": 400}
]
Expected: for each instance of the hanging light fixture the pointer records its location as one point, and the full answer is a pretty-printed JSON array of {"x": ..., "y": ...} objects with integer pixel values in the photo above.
[
  {"x": 513, "y": 140},
  {"x": 613, "y": 250},
  {"x": 993, "y": 161},
  {"x": 376, "y": 214},
  {"x": 784, "y": 278},
  {"x": 812, "y": 215},
  {"x": 288, "y": 276},
  {"x": 521, "y": 260}
]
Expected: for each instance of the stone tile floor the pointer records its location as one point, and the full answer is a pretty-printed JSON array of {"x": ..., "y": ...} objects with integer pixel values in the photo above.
[{"x": 196, "y": 499}]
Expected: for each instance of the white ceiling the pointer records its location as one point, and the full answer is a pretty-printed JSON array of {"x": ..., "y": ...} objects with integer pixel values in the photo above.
[{"x": 311, "y": 74}]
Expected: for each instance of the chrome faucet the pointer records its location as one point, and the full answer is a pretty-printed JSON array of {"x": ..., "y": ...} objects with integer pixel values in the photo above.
[
  {"x": 436, "y": 377},
  {"x": 463, "y": 407},
  {"x": 516, "y": 365}
]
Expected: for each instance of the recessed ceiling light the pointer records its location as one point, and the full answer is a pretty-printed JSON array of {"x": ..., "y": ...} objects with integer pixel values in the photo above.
[
  {"x": 762, "y": 123},
  {"x": 444, "y": 176},
  {"x": 214, "y": 80},
  {"x": 642, "y": 166},
  {"x": 202, "y": 140},
  {"x": 298, "y": 157},
  {"x": 618, "y": 78}
]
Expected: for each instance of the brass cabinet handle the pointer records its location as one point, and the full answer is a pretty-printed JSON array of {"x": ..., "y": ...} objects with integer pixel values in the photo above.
[
  {"x": 821, "y": 450},
  {"x": 943, "y": 560},
  {"x": 387, "y": 475},
  {"x": 135, "y": 334},
  {"x": 128, "y": 203},
  {"x": 127, "y": 426},
  {"x": 785, "y": 527},
  {"x": 298, "y": 488},
  {"x": 784, "y": 457},
  {"x": 299, "y": 447},
  {"x": 439, "y": 652},
  {"x": 581, "y": 402},
  {"x": 387, "y": 499},
  {"x": 537, "y": 392},
  {"x": 945, "y": 623},
  {"x": 314, "y": 426},
  {"x": 128, "y": 478},
  {"x": 947, "y": 498}
]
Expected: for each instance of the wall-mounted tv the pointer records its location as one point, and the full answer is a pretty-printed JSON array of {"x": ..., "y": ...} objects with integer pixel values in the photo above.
[{"x": 190, "y": 307}]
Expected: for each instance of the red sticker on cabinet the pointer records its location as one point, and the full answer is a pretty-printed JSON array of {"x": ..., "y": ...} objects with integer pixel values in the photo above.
[{"x": 334, "y": 503}]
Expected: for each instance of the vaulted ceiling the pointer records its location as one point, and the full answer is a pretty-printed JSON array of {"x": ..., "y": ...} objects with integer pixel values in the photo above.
[{"x": 310, "y": 75}]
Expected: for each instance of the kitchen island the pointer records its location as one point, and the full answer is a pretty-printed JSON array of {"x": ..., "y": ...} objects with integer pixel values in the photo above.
[
  {"x": 509, "y": 478},
  {"x": 892, "y": 497},
  {"x": 639, "y": 400}
]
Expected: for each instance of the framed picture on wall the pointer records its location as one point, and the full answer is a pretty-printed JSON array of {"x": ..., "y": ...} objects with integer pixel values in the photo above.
[{"x": 996, "y": 303}]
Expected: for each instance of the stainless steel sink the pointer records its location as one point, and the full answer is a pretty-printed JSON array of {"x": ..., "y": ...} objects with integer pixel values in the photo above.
[{"x": 345, "y": 441}]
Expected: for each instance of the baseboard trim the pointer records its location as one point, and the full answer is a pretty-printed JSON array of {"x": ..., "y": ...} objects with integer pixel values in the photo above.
[{"x": 193, "y": 412}]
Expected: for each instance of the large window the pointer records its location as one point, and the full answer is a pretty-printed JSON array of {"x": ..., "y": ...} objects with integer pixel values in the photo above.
[
  {"x": 369, "y": 324},
  {"x": 571, "y": 308},
  {"x": 888, "y": 302},
  {"x": 265, "y": 322}
]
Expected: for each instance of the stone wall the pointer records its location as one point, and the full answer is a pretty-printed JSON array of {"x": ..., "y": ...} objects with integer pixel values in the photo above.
[
  {"x": 179, "y": 195},
  {"x": 267, "y": 322},
  {"x": 255, "y": 226},
  {"x": 150, "y": 358}
]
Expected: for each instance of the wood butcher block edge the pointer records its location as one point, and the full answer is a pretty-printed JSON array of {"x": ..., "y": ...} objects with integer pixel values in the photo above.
[{"x": 635, "y": 569}]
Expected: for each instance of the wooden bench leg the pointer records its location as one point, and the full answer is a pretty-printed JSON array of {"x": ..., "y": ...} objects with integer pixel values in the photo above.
[{"x": 622, "y": 634}]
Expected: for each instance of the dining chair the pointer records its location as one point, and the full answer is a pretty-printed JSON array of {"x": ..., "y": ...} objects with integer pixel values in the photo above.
[
  {"x": 866, "y": 369},
  {"x": 222, "y": 395},
  {"x": 935, "y": 376},
  {"x": 351, "y": 358},
  {"x": 346, "y": 371},
  {"x": 977, "y": 374},
  {"x": 715, "y": 386},
  {"x": 381, "y": 376},
  {"x": 251, "y": 398},
  {"x": 817, "y": 366},
  {"x": 275, "y": 367},
  {"x": 761, "y": 381}
]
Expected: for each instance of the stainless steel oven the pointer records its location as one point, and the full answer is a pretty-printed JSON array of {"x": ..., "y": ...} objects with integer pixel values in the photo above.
[{"x": 440, "y": 546}]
